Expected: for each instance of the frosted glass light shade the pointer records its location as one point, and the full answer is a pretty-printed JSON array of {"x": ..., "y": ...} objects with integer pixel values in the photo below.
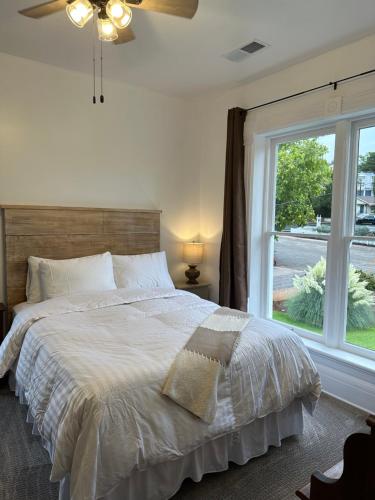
[
  {"x": 119, "y": 13},
  {"x": 107, "y": 32},
  {"x": 193, "y": 253},
  {"x": 80, "y": 12}
]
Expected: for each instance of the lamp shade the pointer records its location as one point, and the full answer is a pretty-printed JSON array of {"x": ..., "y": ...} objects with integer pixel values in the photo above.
[
  {"x": 193, "y": 253},
  {"x": 80, "y": 12},
  {"x": 106, "y": 30},
  {"x": 119, "y": 13}
]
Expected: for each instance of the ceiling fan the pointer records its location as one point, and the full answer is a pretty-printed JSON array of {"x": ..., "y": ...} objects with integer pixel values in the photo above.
[{"x": 114, "y": 16}]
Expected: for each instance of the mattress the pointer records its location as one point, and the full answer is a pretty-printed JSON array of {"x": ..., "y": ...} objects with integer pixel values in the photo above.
[{"x": 91, "y": 368}]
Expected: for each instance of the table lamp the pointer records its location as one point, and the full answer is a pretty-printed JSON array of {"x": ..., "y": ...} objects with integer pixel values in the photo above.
[{"x": 192, "y": 255}]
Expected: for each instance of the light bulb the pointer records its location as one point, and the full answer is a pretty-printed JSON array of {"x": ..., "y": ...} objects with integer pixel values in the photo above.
[
  {"x": 116, "y": 11},
  {"x": 119, "y": 13},
  {"x": 107, "y": 32},
  {"x": 80, "y": 12}
]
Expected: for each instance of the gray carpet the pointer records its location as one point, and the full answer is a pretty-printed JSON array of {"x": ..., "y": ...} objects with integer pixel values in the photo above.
[{"x": 25, "y": 467}]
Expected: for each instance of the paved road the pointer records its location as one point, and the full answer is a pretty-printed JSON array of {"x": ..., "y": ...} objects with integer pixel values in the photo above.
[{"x": 297, "y": 253}]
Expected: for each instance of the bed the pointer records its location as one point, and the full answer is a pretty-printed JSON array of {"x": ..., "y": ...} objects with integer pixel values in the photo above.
[{"x": 90, "y": 368}]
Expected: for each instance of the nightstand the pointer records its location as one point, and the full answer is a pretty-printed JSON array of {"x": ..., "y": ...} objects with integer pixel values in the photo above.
[
  {"x": 3, "y": 321},
  {"x": 202, "y": 289}
]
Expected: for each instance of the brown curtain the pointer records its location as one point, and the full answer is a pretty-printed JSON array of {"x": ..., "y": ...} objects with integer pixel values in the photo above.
[{"x": 233, "y": 253}]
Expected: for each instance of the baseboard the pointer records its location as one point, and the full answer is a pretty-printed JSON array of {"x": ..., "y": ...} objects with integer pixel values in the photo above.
[
  {"x": 334, "y": 396},
  {"x": 354, "y": 385}
]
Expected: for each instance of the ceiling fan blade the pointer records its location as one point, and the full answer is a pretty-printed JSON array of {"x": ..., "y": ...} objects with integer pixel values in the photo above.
[
  {"x": 181, "y": 8},
  {"x": 44, "y": 9},
  {"x": 124, "y": 36}
]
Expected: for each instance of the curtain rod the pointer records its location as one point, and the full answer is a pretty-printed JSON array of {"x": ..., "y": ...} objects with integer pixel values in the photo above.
[{"x": 330, "y": 84}]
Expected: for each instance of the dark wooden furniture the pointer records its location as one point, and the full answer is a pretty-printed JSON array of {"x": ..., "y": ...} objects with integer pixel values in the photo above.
[
  {"x": 351, "y": 479},
  {"x": 200, "y": 289},
  {"x": 3, "y": 321}
]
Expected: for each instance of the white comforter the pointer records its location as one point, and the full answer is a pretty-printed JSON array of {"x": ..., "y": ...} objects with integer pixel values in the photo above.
[{"x": 91, "y": 368}]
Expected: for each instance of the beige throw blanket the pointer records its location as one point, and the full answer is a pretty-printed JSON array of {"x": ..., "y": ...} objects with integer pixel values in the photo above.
[{"x": 192, "y": 381}]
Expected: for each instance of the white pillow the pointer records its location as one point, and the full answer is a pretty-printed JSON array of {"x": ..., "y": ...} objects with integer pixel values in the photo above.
[
  {"x": 33, "y": 291},
  {"x": 148, "y": 270},
  {"x": 85, "y": 274}
]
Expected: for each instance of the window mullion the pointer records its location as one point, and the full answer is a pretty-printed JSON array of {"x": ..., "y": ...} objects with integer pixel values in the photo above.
[
  {"x": 257, "y": 154},
  {"x": 338, "y": 246}
]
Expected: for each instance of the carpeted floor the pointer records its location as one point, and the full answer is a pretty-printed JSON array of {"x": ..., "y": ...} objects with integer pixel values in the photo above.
[{"x": 25, "y": 467}]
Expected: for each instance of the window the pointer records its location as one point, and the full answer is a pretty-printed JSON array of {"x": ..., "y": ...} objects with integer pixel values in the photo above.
[
  {"x": 360, "y": 327},
  {"x": 318, "y": 263},
  {"x": 360, "y": 321},
  {"x": 292, "y": 258},
  {"x": 302, "y": 221}
]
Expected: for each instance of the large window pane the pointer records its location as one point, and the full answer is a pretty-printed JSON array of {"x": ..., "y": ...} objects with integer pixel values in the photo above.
[
  {"x": 304, "y": 185},
  {"x": 360, "y": 327},
  {"x": 299, "y": 282},
  {"x": 365, "y": 196}
]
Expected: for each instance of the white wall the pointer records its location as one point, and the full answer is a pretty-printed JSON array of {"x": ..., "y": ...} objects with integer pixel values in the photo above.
[
  {"x": 208, "y": 115},
  {"x": 140, "y": 149},
  {"x": 57, "y": 148}
]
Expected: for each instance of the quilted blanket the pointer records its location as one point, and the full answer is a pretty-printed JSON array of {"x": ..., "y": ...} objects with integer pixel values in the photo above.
[
  {"x": 193, "y": 379},
  {"x": 91, "y": 368}
]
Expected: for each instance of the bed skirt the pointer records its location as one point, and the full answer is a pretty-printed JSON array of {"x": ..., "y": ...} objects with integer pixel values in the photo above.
[{"x": 162, "y": 481}]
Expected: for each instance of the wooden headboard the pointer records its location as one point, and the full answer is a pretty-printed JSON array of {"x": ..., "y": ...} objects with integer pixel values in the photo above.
[{"x": 65, "y": 232}]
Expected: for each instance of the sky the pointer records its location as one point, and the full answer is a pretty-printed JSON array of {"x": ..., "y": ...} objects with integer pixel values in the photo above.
[{"x": 366, "y": 142}]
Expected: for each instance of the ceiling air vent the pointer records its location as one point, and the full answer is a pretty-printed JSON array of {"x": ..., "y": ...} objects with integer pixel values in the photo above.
[
  {"x": 246, "y": 51},
  {"x": 253, "y": 47}
]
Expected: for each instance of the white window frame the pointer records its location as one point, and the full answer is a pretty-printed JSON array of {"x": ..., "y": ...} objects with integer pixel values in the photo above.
[
  {"x": 338, "y": 241},
  {"x": 356, "y": 126}
]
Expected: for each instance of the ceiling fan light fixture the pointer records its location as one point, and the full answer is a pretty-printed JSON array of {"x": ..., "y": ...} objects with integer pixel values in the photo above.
[
  {"x": 106, "y": 30},
  {"x": 80, "y": 12},
  {"x": 119, "y": 13}
]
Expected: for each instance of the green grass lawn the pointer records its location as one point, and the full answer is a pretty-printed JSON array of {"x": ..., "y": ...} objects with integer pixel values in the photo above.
[{"x": 362, "y": 338}]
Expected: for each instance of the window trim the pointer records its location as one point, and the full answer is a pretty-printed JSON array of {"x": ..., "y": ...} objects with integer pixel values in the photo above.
[
  {"x": 342, "y": 229},
  {"x": 349, "y": 237}
]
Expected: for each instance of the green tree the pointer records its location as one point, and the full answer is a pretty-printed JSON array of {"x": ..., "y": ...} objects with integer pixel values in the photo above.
[
  {"x": 303, "y": 175},
  {"x": 322, "y": 205},
  {"x": 367, "y": 162}
]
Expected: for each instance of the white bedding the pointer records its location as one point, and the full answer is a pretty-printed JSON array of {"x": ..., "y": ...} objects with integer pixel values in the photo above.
[
  {"x": 92, "y": 367},
  {"x": 20, "y": 307}
]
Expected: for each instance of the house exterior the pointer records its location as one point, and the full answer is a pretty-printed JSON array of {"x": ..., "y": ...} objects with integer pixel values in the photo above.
[{"x": 365, "y": 202}]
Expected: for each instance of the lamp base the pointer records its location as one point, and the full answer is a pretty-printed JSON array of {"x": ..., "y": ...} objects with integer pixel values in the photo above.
[{"x": 192, "y": 274}]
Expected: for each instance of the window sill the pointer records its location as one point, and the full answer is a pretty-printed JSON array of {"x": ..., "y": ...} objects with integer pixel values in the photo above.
[{"x": 346, "y": 358}]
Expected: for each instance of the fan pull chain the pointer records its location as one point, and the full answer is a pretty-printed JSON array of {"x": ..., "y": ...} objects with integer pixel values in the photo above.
[
  {"x": 94, "y": 61},
  {"x": 101, "y": 73}
]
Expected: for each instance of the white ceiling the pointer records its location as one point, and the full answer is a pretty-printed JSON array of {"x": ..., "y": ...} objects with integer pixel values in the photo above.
[{"x": 184, "y": 57}]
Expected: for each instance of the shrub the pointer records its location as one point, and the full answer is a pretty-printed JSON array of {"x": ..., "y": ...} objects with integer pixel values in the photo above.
[
  {"x": 362, "y": 231},
  {"x": 370, "y": 278},
  {"x": 324, "y": 228},
  {"x": 308, "y": 305}
]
